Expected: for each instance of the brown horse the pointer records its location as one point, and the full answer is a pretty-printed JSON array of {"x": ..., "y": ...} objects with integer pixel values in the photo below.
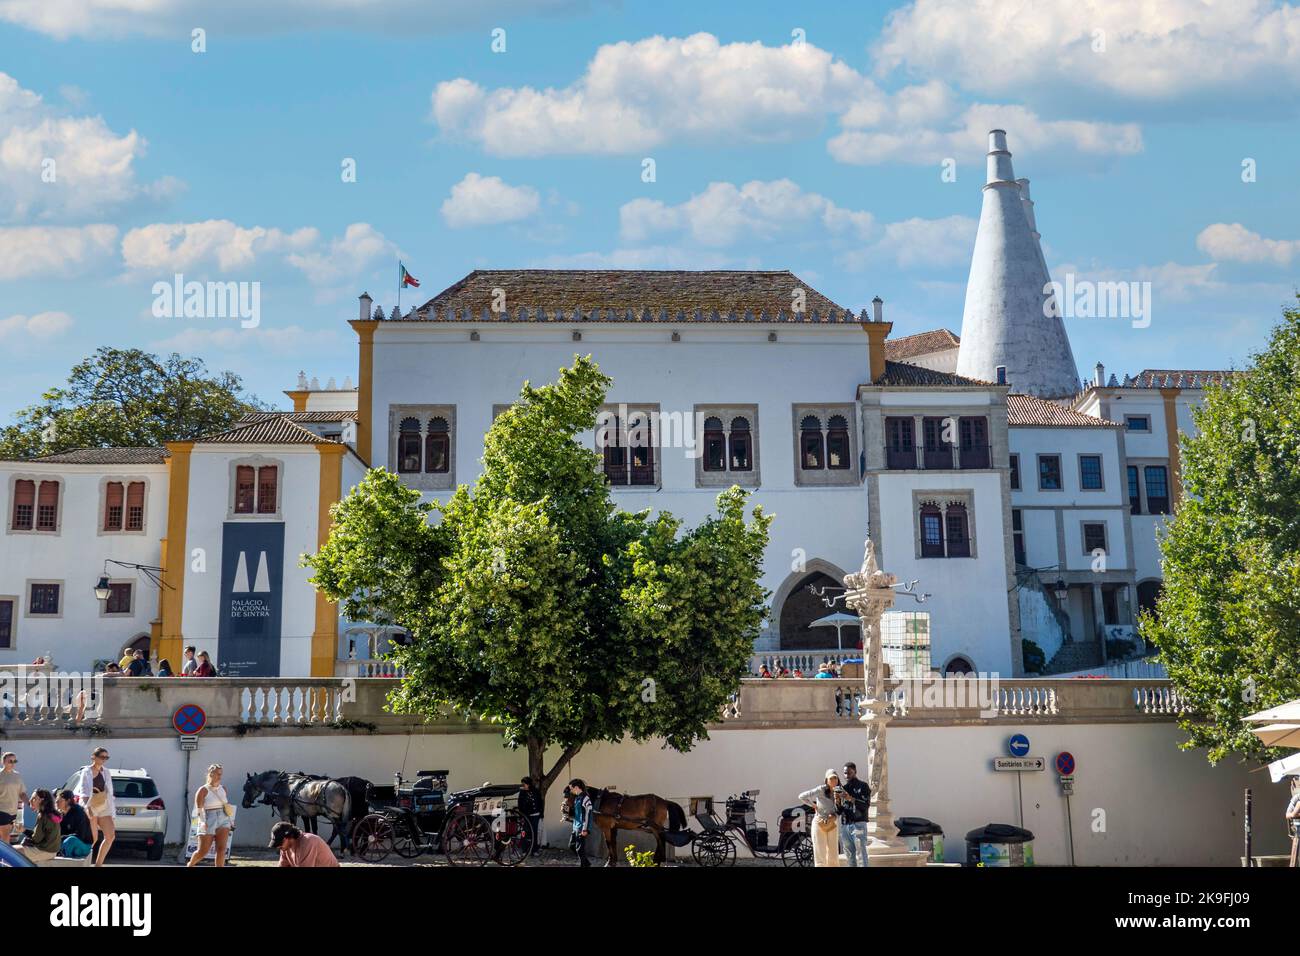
[{"x": 620, "y": 811}]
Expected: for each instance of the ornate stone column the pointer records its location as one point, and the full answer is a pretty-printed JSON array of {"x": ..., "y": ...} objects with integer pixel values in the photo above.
[{"x": 870, "y": 592}]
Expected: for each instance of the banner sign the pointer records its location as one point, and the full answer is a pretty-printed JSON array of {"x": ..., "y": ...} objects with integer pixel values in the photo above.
[{"x": 252, "y": 595}]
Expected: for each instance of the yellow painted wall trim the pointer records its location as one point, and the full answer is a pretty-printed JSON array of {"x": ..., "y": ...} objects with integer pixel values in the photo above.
[
  {"x": 877, "y": 332},
  {"x": 365, "y": 384},
  {"x": 1170, "y": 395},
  {"x": 299, "y": 399},
  {"x": 171, "y": 598},
  {"x": 325, "y": 636}
]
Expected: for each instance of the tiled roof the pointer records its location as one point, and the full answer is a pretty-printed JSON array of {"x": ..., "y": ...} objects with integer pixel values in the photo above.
[
  {"x": 905, "y": 375},
  {"x": 1028, "y": 410},
  {"x": 922, "y": 343},
  {"x": 268, "y": 431},
  {"x": 316, "y": 417},
  {"x": 1176, "y": 378},
  {"x": 107, "y": 456},
  {"x": 625, "y": 295}
]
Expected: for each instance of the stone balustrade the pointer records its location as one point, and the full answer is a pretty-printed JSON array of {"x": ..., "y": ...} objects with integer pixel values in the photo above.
[{"x": 124, "y": 706}]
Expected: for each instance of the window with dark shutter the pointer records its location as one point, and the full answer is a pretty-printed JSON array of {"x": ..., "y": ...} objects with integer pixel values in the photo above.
[
  {"x": 135, "y": 506},
  {"x": 715, "y": 445},
  {"x": 6, "y": 624},
  {"x": 1018, "y": 536},
  {"x": 931, "y": 532},
  {"x": 408, "y": 446},
  {"x": 958, "y": 532},
  {"x": 1015, "y": 472},
  {"x": 44, "y": 599},
  {"x": 119, "y": 599},
  {"x": 641, "y": 453},
  {"x": 47, "y": 506},
  {"x": 938, "y": 451},
  {"x": 973, "y": 433},
  {"x": 837, "y": 442},
  {"x": 437, "y": 457},
  {"x": 900, "y": 443},
  {"x": 614, "y": 455},
  {"x": 812, "y": 447},
  {"x": 741, "y": 444},
  {"x": 267, "y": 488},
  {"x": 245, "y": 489},
  {"x": 24, "y": 505},
  {"x": 114, "y": 505}
]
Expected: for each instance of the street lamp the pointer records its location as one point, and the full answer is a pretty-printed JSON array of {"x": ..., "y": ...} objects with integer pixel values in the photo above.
[
  {"x": 1062, "y": 590},
  {"x": 102, "y": 589}
]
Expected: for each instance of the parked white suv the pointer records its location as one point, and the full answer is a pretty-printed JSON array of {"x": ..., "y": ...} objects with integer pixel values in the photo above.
[{"x": 141, "y": 820}]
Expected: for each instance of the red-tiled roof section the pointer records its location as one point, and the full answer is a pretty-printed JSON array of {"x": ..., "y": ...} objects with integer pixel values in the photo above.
[
  {"x": 1028, "y": 410},
  {"x": 903, "y": 375},
  {"x": 1177, "y": 378},
  {"x": 626, "y": 295},
  {"x": 107, "y": 456},
  {"x": 316, "y": 417},
  {"x": 268, "y": 431},
  {"x": 922, "y": 343}
]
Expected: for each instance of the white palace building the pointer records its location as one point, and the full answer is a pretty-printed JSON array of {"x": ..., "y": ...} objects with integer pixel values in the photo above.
[{"x": 1026, "y": 502}]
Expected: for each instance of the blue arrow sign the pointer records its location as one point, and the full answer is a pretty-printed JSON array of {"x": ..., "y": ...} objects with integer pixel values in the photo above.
[{"x": 1018, "y": 745}]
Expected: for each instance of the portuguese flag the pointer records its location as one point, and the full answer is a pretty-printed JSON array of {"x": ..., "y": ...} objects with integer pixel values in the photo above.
[{"x": 404, "y": 278}]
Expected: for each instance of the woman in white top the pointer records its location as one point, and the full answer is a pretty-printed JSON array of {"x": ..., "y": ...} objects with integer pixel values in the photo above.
[
  {"x": 826, "y": 800},
  {"x": 215, "y": 813},
  {"x": 94, "y": 791}
]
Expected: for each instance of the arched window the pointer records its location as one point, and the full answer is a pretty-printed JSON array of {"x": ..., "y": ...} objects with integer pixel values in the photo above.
[
  {"x": 268, "y": 481},
  {"x": 609, "y": 436},
  {"x": 741, "y": 444},
  {"x": 958, "y": 667},
  {"x": 715, "y": 445},
  {"x": 47, "y": 506},
  {"x": 837, "y": 442},
  {"x": 408, "y": 446},
  {"x": 812, "y": 448},
  {"x": 135, "y": 506},
  {"x": 114, "y": 505},
  {"x": 641, "y": 452},
  {"x": 958, "y": 532},
  {"x": 437, "y": 446},
  {"x": 245, "y": 489},
  {"x": 24, "y": 504},
  {"x": 931, "y": 531}
]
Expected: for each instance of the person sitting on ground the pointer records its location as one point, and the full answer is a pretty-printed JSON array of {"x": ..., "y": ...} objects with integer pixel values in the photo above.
[
  {"x": 300, "y": 849},
  {"x": 74, "y": 827},
  {"x": 139, "y": 665},
  {"x": 205, "y": 668},
  {"x": 41, "y": 843}
]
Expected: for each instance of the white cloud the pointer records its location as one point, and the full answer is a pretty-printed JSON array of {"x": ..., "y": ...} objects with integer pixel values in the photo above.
[
  {"x": 647, "y": 257},
  {"x": 42, "y": 325},
  {"x": 54, "y": 250},
  {"x": 1233, "y": 242},
  {"x": 913, "y": 243},
  {"x": 1170, "y": 281},
  {"x": 216, "y": 244},
  {"x": 96, "y": 18},
  {"x": 488, "y": 201},
  {"x": 55, "y": 167},
  {"x": 346, "y": 257},
  {"x": 1152, "y": 51},
  {"x": 724, "y": 214},
  {"x": 637, "y": 95},
  {"x": 290, "y": 340}
]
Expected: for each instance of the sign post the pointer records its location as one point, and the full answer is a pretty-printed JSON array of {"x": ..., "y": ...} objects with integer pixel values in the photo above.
[
  {"x": 1065, "y": 767},
  {"x": 188, "y": 721}
]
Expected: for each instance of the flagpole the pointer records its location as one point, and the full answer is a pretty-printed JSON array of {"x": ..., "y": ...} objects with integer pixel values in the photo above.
[{"x": 399, "y": 287}]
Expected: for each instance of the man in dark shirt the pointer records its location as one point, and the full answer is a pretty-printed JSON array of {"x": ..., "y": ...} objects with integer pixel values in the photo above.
[
  {"x": 530, "y": 805},
  {"x": 853, "y": 817},
  {"x": 74, "y": 827}
]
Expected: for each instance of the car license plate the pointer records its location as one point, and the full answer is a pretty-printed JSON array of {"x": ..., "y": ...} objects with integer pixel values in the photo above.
[{"x": 126, "y": 811}]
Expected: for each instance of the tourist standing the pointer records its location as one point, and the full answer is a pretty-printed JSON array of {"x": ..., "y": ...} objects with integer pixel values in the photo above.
[
  {"x": 190, "y": 664},
  {"x": 94, "y": 790},
  {"x": 205, "y": 668},
  {"x": 530, "y": 805},
  {"x": 12, "y": 796},
  {"x": 74, "y": 826},
  {"x": 41, "y": 843},
  {"x": 582, "y": 811},
  {"x": 298, "y": 849},
  {"x": 139, "y": 666},
  {"x": 853, "y": 817},
  {"x": 826, "y": 800},
  {"x": 1293, "y": 821},
  {"x": 215, "y": 817}
]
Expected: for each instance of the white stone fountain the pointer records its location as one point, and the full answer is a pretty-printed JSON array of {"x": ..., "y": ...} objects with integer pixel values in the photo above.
[{"x": 870, "y": 592}]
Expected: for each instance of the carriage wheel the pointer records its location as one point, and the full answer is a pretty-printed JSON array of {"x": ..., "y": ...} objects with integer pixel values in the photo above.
[
  {"x": 468, "y": 840},
  {"x": 713, "y": 849},
  {"x": 406, "y": 843},
  {"x": 799, "y": 851},
  {"x": 514, "y": 841},
  {"x": 372, "y": 838}
]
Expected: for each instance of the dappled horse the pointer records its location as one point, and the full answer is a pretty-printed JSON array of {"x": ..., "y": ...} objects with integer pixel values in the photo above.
[
  {"x": 625, "y": 811},
  {"x": 295, "y": 794}
]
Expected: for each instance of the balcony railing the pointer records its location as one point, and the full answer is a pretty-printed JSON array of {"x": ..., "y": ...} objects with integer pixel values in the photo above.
[
  {"x": 939, "y": 458},
  {"x": 900, "y": 458}
]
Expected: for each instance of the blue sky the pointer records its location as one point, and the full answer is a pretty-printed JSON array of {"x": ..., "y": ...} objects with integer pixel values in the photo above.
[{"x": 811, "y": 140}]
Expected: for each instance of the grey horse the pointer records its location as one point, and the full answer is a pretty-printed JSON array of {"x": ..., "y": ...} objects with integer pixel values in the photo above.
[{"x": 296, "y": 794}]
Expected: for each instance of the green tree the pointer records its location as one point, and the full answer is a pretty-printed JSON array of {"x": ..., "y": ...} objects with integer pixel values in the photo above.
[
  {"x": 127, "y": 397},
  {"x": 1228, "y": 620},
  {"x": 533, "y": 602}
]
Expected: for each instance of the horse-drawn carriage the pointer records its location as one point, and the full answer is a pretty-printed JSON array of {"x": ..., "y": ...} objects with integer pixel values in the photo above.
[
  {"x": 715, "y": 844},
  {"x": 469, "y": 827}
]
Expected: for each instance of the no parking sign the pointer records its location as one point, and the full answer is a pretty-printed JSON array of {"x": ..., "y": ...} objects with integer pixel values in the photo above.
[{"x": 189, "y": 719}]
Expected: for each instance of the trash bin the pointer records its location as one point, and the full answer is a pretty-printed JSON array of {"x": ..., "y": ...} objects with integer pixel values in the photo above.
[
  {"x": 921, "y": 834},
  {"x": 999, "y": 844}
]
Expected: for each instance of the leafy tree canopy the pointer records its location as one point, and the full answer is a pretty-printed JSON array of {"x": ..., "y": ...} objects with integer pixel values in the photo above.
[
  {"x": 127, "y": 397},
  {"x": 1228, "y": 621},
  {"x": 536, "y": 603}
]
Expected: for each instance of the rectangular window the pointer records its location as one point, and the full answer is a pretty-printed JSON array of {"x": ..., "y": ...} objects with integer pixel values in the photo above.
[
  {"x": 1137, "y": 423},
  {"x": 973, "y": 433},
  {"x": 47, "y": 506},
  {"x": 245, "y": 489},
  {"x": 1015, "y": 472},
  {"x": 931, "y": 534},
  {"x": 135, "y": 506},
  {"x": 1090, "y": 472},
  {"x": 1049, "y": 472},
  {"x": 119, "y": 599},
  {"x": 24, "y": 504},
  {"x": 1157, "y": 481},
  {"x": 6, "y": 624},
  {"x": 114, "y": 505},
  {"x": 958, "y": 542},
  {"x": 715, "y": 450},
  {"x": 1134, "y": 495},
  {"x": 938, "y": 451},
  {"x": 267, "y": 484},
  {"x": 1018, "y": 536},
  {"x": 900, "y": 443},
  {"x": 44, "y": 599},
  {"x": 1094, "y": 536}
]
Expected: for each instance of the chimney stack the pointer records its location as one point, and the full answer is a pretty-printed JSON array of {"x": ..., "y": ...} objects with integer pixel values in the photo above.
[
  {"x": 1099, "y": 375},
  {"x": 877, "y": 309},
  {"x": 366, "y": 302}
]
